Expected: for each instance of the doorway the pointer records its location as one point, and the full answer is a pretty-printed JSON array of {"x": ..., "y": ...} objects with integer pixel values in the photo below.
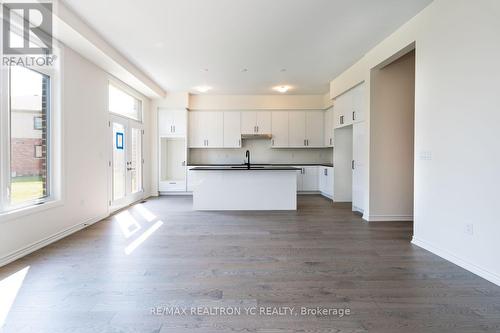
[
  {"x": 126, "y": 162},
  {"x": 392, "y": 136}
]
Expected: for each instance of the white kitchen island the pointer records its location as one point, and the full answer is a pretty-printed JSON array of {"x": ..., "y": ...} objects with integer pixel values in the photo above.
[{"x": 240, "y": 188}]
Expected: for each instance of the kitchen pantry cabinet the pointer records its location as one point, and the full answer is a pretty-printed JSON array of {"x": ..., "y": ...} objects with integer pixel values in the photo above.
[
  {"x": 171, "y": 123},
  {"x": 232, "y": 129},
  {"x": 325, "y": 180},
  {"x": 306, "y": 128},
  {"x": 256, "y": 122},
  {"x": 206, "y": 129},
  {"x": 279, "y": 129},
  {"x": 358, "y": 166}
]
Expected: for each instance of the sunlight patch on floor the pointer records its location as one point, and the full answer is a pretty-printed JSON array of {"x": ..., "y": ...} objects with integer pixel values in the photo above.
[{"x": 9, "y": 287}]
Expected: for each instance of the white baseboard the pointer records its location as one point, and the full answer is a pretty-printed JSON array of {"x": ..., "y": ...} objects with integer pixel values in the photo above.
[
  {"x": 326, "y": 195},
  {"x": 484, "y": 273},
  {"x": 389, "y": 218},
  {"x": 49, "y": 240}
]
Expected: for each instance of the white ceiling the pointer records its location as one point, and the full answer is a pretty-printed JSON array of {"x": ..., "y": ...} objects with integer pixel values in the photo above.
[{"x": 174, "y": 41}]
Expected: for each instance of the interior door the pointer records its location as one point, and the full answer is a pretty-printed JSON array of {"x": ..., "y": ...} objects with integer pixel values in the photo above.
[{"x": 126, "y": 162}]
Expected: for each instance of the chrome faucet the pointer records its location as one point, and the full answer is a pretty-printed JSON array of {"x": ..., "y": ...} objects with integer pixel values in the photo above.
[{"x": 247, "y": 155}]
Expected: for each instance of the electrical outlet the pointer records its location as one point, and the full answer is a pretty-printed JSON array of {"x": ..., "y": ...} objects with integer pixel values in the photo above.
[{"x": 469, "y": 229}]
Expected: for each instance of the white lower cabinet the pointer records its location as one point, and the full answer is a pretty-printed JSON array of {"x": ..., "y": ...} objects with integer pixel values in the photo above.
[
  {"x": 325, "y": 180},
  {"x": 309, "y": 179}
]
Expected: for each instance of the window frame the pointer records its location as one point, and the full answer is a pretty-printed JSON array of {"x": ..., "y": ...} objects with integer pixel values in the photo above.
[
  {"x": 125, "y": 89},
  {"x": 55, "y": 167}
]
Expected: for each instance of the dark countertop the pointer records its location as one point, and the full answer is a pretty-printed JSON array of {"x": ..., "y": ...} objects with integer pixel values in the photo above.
[
  {"x": 267, "y": 165},
  {"x": 244, "y": 168}
]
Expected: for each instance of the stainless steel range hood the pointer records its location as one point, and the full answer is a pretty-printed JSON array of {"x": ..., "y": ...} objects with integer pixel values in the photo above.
[{"x": 256, "y": 136}]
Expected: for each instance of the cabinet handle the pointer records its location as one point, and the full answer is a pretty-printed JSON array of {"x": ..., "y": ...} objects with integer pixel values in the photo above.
[
  {"x": 174, "y": 128},
  {"x": 307, "y": 141},
  {"x": 171, "y": 129},
  {"x": 257, "y": 129},
  {"x": 273, "y": 142},
  {"x": 353, "y": 115},
  {"x": 325, "y": 172},
  {"x": 352, "y": 164},
  {"x": 239, "y": 142},
  {"x": 304, "y": 142},
  {"x": 330, "y": 141},
  {"x": 341, "y": 120}
]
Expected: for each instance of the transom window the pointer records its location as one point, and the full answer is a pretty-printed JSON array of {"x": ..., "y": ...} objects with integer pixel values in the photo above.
[{"x": 124, "y": 104}]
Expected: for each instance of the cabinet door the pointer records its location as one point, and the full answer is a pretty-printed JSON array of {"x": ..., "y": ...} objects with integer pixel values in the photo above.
[
  {"x": 248, "y": 122},
  {"x": 300, "y": 179},
  {"x": 322, "y": 179},
  {"x": 264, "y": 122},
  {"x": 359, "y": 182},
  {"x": 232, "y": 129},
  {"x": 337, "y": 112},
  {"x": 172, "y": 123},
  {"x": 196, "y": 135},
  {"x": 310, "y": 178},
  {"x": 329, "y": 181},
  {"x": 297, "y": 128},
  {"x": 328, "y": 128},
  {"x": 314, "y": 128},
  {"x": 357, "y": 103},
  {"x": 279, "y": 129},
  {"x": 213, "y": 123}
]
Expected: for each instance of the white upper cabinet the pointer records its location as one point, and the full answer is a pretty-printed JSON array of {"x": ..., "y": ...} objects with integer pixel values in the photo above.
[
  {"x": 196, "y": 137},
  {"x": 264, "y": 122},
  {"x": 349, "y": 107},
  {"x": 248, "y": 122},
  {"x": 328, "y": 128},
  {"x": 256, "y": 122},
  {"x": 279, "y": 129},
  {"x": 206, "y": 129},
  {"x": 358, "y": 113},
  {"x": 297, "y": 128},
  {"x": 171, "y": 123},
  {"x": 232, "y": 129},
  {"x": 314, "y": 128}
]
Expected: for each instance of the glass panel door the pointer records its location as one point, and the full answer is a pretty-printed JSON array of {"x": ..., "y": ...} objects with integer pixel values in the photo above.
[
  {"x": 126, "y": 162},
  {"x": 135, "y": 164}
]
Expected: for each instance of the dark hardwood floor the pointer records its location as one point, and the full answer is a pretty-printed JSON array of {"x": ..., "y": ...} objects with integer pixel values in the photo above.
[{"x": 98, "y": 280}]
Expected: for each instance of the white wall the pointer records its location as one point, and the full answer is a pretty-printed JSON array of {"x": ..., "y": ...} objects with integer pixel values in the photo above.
[
  {"x": 257, "y": 102},
  {"x": 456, "y": 125},
  {"x": 392, "y": 140},
  {"x": 85, "y": 153}
]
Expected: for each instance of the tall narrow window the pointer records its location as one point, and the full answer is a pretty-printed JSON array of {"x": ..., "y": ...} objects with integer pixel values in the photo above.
[{"x": 29, "y": 109}]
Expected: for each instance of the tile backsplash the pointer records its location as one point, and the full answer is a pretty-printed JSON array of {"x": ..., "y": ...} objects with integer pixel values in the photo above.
[{"x": 260, "y": 152}]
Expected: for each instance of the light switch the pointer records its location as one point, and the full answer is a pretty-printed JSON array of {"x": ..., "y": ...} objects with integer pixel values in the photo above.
[{"x": 425, "y": 155}]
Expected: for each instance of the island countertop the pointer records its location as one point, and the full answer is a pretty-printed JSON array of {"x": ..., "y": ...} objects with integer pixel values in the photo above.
[{"x": 245, "y": 168}]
